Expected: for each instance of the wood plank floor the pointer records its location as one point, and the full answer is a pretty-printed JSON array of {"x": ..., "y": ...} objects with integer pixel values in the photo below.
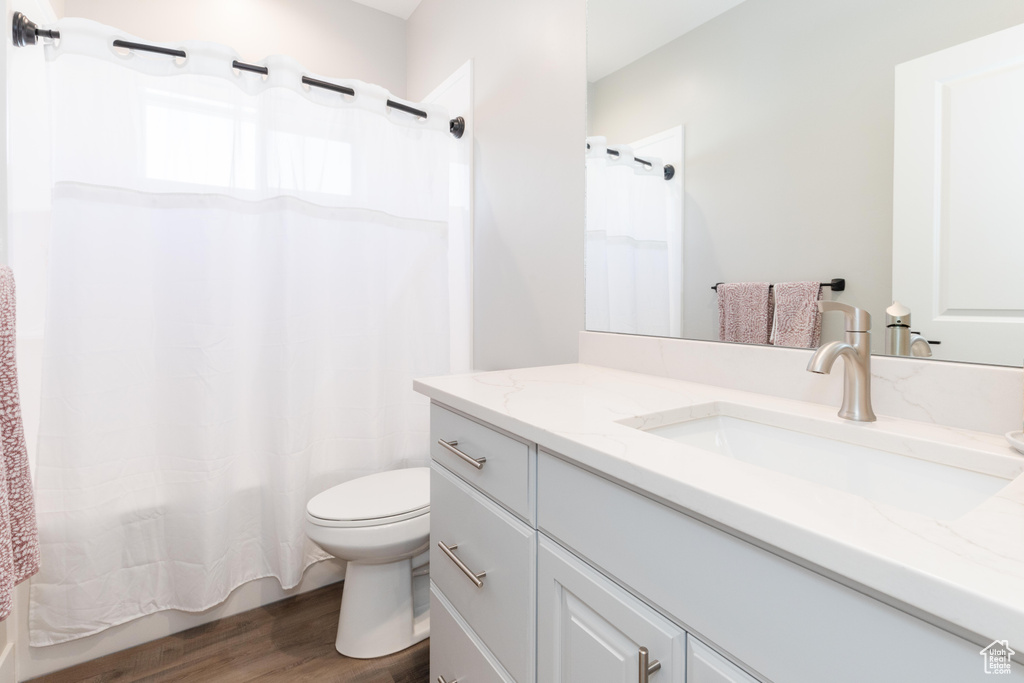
[{"x": 290, "y": 640}]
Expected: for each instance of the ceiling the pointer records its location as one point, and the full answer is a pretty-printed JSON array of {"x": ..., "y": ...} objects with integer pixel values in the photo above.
[
  {"x": 402, "y": 9},
  {"x": 620, "y": 32}
]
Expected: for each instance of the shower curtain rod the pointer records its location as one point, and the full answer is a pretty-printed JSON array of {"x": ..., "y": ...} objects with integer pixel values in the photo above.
[
  {"x": 25, "y": 32},
  {"x": 669, "y": 170}
]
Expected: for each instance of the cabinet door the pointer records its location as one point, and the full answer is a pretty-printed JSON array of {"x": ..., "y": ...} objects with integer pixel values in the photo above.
[
  {"x": 591, "y": 631},
  {"x": 704, "y": 665}
]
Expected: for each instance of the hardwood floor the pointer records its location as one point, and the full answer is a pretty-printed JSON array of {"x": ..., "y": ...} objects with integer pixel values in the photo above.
[{"x": 290, "y": 640}]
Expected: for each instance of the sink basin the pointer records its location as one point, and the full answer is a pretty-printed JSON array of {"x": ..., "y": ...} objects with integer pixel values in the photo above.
[{"x": 886, "y": 475}]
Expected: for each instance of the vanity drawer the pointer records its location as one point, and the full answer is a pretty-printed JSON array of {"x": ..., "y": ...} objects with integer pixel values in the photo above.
[
  {"x": 492, "y": 542},
  {"x": 504, "y": 472},
  {"x": 455, "y": 653}
]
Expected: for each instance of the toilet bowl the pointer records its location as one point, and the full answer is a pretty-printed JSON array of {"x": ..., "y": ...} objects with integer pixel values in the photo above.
[{"x": 379, "y": 524}]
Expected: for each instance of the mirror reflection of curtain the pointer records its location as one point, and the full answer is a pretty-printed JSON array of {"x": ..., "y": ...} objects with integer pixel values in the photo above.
[
  {"x": 244, "y": 277},
  {"x": 633, "y": 244}
]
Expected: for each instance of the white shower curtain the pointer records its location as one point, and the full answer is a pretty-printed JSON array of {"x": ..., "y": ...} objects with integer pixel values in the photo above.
[
  {"x": 245, "y": 275},
  {"x": 633, "y": 275}
]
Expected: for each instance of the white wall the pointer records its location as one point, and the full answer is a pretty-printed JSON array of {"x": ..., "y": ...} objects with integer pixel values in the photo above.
[
  {"x": 337, "y": 38},
  {"x": 788, "y": 108},
  {"x": 529, "y": 60}
]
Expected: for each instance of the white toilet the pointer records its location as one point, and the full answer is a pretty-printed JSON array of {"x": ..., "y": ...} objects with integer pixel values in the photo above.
[{"x": 379, "y": 524}]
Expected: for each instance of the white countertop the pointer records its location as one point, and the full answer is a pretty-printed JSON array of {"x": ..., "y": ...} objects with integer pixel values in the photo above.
[{"x": 967, "y": 574}]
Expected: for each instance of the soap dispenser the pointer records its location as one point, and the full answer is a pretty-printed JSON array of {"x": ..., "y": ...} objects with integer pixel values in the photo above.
[{"x": 899, "y": 340}]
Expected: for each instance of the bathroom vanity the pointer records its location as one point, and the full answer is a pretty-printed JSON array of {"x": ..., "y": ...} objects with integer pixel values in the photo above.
[{"x": 590, "y": 524}]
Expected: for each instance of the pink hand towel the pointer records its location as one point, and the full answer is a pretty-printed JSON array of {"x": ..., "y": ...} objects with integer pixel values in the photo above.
[
  {"x": 744, "y": 312},
  {"x": 19, "y": 544},
  {"x": 797, "y": 318}
]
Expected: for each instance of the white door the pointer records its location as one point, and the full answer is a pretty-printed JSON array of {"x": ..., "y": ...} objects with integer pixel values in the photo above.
[
  {"x": 590, "y": 631},
  {"x": 958, "y": 198}
]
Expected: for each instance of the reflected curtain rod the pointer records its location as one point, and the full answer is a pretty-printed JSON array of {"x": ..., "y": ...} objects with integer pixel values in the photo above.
[
  {"x": 669, "y": 172},
  {"x": 25, "y": 32}
]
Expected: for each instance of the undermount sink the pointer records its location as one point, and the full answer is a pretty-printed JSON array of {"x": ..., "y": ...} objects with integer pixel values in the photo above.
[{"x": 891, "y": 470}]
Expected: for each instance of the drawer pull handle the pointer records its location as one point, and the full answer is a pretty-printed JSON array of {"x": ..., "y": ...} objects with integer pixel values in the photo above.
[
  {"x": 475, "y": 578},
  {"x": 646, "y": 669},
  {"x": 450, "y": 446},
  {"x": 442, "y": 679}
]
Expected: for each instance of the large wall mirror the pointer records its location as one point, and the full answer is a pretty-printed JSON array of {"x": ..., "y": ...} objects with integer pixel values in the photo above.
[{"x": 874, "y": 146}]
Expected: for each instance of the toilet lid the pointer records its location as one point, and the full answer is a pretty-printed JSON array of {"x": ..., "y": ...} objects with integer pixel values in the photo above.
[{"x": 378, "y": 496}]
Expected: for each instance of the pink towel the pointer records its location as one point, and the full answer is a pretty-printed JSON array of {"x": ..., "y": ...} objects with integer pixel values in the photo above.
[
  {"x": 744, "y": 312},
  {"x": 19, "y": 544},
  {"x": 797, "y": 318}
]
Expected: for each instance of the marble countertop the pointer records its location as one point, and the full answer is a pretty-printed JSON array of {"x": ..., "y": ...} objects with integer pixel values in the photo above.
[{"x": 966, "y": 575}]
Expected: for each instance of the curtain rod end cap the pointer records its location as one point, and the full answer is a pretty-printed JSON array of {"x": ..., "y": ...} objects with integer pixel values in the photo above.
[{"x": 457, "y": 127}]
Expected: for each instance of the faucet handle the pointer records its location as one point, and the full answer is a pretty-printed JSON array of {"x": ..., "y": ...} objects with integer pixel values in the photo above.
[{"x": 857, "y": 319}]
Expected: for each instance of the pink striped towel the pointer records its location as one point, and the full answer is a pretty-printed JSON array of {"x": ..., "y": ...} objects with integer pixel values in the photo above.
[
  {"x": 744, "y": 312},
  {"x": 797, "y": 318},
  {"x": 19, "y": 544}
]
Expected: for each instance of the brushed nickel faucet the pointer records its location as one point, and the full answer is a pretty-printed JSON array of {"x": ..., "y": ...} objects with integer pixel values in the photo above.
[{"x": 856, "y": 352}]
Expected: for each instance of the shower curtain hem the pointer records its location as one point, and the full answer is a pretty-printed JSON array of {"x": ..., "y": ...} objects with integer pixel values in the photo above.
[{"x": 33, "y": 642}]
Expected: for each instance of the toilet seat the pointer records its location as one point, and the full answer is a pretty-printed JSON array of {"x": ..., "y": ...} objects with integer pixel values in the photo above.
[
  {"x": 379, "y": 521},
  {"x": 375, "y": 500}
]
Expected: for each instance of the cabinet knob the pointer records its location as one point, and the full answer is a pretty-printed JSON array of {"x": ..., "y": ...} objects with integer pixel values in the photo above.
[
  {"x": 450, "y": 446},
  {"x": 647, "y": 667}
]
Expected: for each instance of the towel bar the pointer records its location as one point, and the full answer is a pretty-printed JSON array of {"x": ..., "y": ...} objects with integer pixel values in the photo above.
[{"x": 837, "y": 284}]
